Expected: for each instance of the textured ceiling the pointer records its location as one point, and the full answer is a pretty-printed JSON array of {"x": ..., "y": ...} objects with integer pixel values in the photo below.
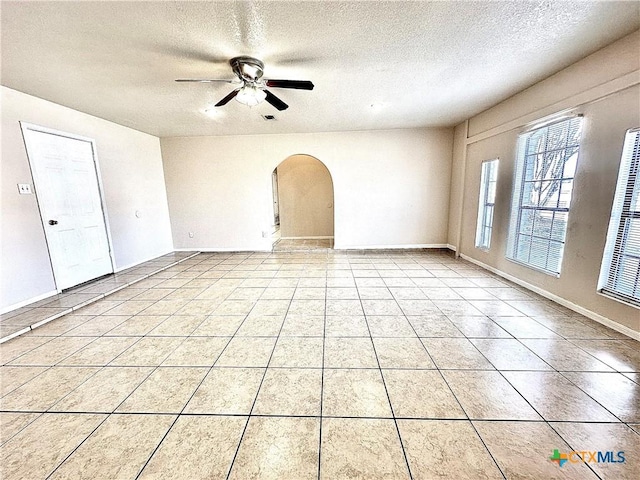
[{"x": 421, "y": 63}]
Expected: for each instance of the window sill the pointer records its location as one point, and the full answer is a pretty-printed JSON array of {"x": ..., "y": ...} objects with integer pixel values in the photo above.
[
  {"x": 618, "y": 299},
  {"x": 532, "y": 267}
]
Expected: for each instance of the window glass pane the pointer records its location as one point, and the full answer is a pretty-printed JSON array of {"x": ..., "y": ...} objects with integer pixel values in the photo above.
[
  {"x": 536, "y": 141},
  {"x": 635, "y": 198},
  {"x": 485, "y": 203},
  {"x": 632, "y": 245},
  {"x": 548, "y": 194},
  {"x": 571, "y": 161},
  {"x": 542, "y": 194},
  {"x": 565, "y": 193},
  {"x": 529, "y": 166},
  {"x": 530, "y": 194},
  {"x": 551, "y": 165},
  {"x": 543, "y": 222},
  {"x": 559, "y": 226},
  {"x": 620, "y": 271},
  {"x": 491, "y": 194},
  {"x": 573, "y": 134},
  {"x": 526, "y": 221},
  {"x": 557, "y": 136},
  {"x": 538, "y": 254},
  {"x": 628, "y": 271},
  {"x": 555, "y": 255},
  {"x": 488, "y": 218},
  {"x": 523, "y": 248}
]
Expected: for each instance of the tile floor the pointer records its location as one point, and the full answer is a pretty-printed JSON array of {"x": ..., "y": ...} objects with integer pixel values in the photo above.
[
  {"x": 21, "y": 320},
  {"x": 318, "y": 364}
]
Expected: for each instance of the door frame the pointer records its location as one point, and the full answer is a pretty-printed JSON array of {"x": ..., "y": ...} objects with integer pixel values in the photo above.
[
  {"x": 275, "y": 195},
  {"x": 333, "y": 194},
  {"x": 24, "y": 126}
]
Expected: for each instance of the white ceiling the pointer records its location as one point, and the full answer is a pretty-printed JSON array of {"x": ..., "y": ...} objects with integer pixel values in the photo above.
[{"x": 425, "y": 63}]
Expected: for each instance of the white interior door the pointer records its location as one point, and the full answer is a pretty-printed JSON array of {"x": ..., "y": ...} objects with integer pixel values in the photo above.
[
  {"x": 276, "y": 205},
  {"x": 67, "y": 188}
]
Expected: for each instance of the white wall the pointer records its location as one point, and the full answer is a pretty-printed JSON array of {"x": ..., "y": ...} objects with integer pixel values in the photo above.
[
  {"x": 391, "y": 188},
  {"x": 604, "y": 88},
  {"x": 132, "y": 176}
]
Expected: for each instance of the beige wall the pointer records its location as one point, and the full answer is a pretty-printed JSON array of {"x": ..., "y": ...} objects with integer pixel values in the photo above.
[
  {"x": 609, "y": 109},
  {"x": 391, "y": 187},
  {"x": 305, "y": 198},
  {"x": 132, "y": 177}
]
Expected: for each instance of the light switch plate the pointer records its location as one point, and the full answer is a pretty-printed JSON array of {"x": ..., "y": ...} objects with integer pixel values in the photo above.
[{"x": 24, "y": 188}]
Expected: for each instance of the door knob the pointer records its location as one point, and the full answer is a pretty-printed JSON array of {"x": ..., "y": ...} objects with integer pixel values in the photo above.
[{"x": 53, "y": 222}]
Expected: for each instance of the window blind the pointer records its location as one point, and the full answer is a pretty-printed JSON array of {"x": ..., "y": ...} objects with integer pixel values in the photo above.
[
  {"x": 486, "y": 203},
  {"x": 546, "y": 165},
  {"x": 620, "y": 272}
]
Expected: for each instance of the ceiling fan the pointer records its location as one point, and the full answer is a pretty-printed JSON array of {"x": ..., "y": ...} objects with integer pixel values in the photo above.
[{"x": 253, "y": 91}]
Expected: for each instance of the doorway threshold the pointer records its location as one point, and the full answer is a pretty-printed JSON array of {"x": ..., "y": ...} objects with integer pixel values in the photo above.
[{"x": 302, "y": 244}]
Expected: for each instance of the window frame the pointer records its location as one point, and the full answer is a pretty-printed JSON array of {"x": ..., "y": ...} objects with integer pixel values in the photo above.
[
  {"x": 486, "y": 206},
  {"x": 518, "y": 205},
  {"x": 627, "y": 191}
]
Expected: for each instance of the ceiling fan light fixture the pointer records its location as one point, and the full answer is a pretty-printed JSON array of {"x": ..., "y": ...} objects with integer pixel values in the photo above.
[{"x": 251, "y": 95}]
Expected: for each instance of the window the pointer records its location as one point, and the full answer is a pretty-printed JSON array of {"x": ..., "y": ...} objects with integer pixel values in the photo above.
[
  {"x": 620, "y": 273},
  {"x": 546, "y": 165},
  {"x": 486, "y": 203}
]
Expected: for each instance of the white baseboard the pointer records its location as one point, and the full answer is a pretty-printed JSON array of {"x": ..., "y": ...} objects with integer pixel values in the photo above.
[
  {"x": 135, "y": 264},
  {"x": 15, "y": 334},
  {"x": 307, "y": 238},
  {"x": 389, "y": 247},
  {"x": 29, "y": 301},
  {"x": 452, "y": 248},
  {"x": 224, "y": 250},
  {"x": 562, "y": 301},
  {"x": 52, "y": 293}
]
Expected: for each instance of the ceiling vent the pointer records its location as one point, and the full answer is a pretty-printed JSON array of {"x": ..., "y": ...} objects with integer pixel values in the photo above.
[{"x": 269, "y": 118}]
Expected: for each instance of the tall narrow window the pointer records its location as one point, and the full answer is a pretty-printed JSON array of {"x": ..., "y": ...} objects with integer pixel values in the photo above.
[
  {"x": 546, "y": 165},
  {"x": 486, "y": 203},
  {"x": 620, "y": 273}
]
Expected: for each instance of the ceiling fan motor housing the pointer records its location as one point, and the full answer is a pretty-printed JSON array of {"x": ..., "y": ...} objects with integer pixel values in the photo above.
[{"x": 247, "y": 68}]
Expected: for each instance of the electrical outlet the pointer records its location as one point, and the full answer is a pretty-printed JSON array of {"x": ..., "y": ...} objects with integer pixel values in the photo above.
[
  {"x": 24, "y": 188},
  {"x": 190, "y": 234}
]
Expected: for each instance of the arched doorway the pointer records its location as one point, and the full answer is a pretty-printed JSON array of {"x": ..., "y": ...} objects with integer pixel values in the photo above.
[{"x": 302, "y": 204}]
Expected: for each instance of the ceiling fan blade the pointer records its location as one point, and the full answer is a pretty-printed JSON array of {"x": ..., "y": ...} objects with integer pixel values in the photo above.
[
  {"x": 275, "y": 101},
  {"x": 204, "y": 80},
  {"x": 228, "y": 98},
  {"x": 297, "y": 84}
]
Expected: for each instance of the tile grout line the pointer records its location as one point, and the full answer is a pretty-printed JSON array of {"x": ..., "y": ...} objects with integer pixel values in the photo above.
[
  {"x": 246, "y": 425},
  {"x": 544, "y": 420},
  {"x": 269, "y": 415},
  {"x": 78, "y": 446},
  {"x": 186, "y": 336},
  {"x": 324, "y": 342},
  {"x": 384, "y": 384},
  {"x": 108, "y": 415},
  {"x": 451, "y": 390},
  {"x": 157, "y": 447},
  {"x": 553, "y": 370}
]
